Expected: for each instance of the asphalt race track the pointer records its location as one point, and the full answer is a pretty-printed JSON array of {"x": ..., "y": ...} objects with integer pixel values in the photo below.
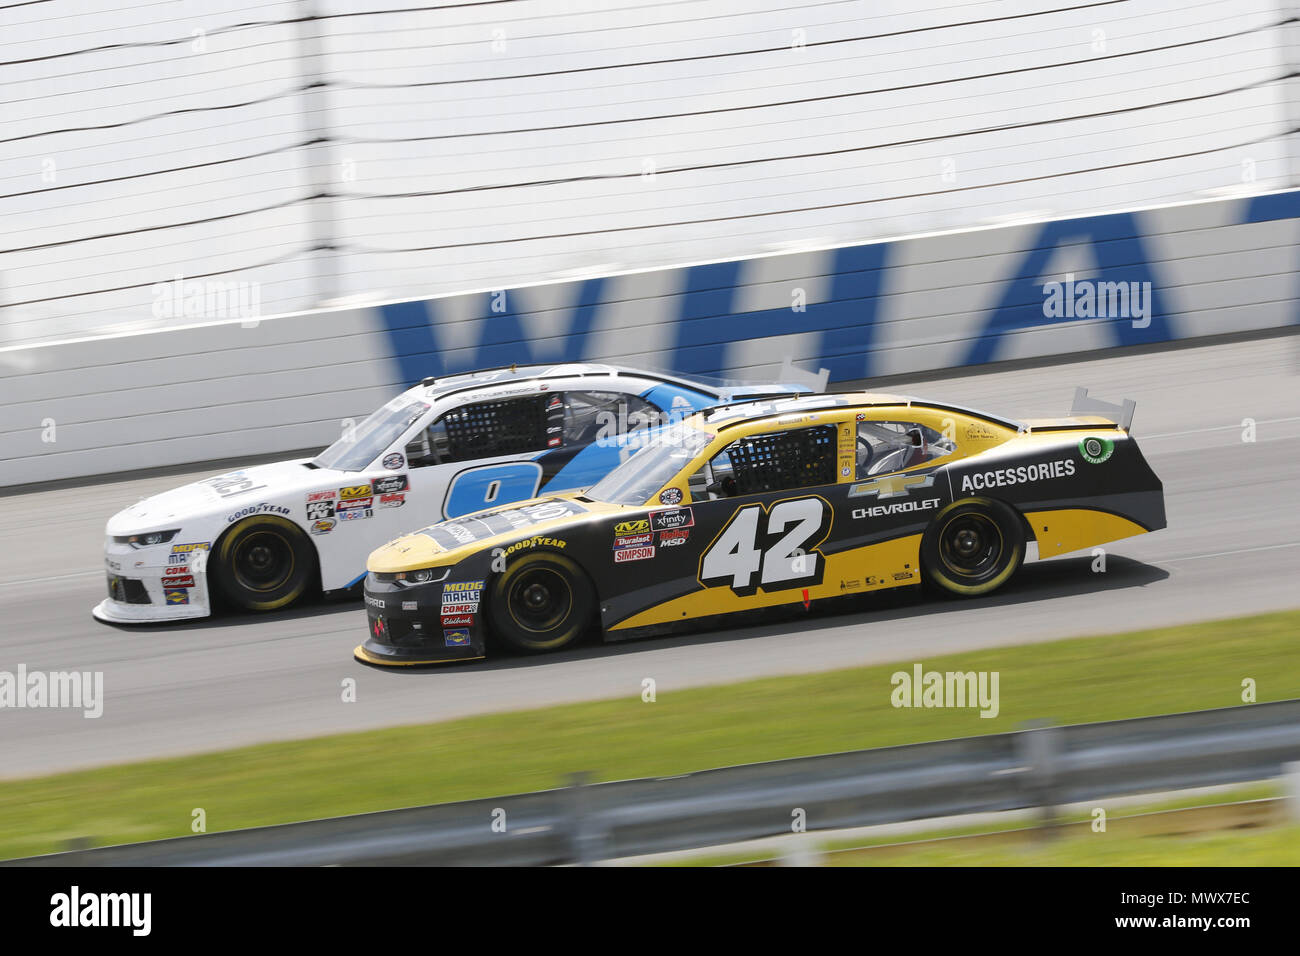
[{"x": 1232, "y": 548}]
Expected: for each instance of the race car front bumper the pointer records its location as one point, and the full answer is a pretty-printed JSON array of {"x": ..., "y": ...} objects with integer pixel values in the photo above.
[
  {"x": 149, "y": 585},
  {"x": 408, "y": 626}
]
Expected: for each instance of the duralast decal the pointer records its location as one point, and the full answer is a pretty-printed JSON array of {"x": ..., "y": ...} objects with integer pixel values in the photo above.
[{"x": 1018, "y": 475}]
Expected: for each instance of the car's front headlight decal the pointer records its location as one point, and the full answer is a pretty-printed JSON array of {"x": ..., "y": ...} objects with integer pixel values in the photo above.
[{"x": 149, "y": 539}]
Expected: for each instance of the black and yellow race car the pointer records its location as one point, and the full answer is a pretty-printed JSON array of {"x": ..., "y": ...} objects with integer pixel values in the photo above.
[{"x": 759, "y": 505}]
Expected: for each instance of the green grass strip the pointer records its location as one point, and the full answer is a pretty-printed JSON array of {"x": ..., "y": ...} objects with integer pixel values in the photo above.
[{"x": 1161, "y": 671}]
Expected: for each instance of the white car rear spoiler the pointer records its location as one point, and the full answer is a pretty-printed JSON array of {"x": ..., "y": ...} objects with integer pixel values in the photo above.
[{"x": 1121, "y": 415}]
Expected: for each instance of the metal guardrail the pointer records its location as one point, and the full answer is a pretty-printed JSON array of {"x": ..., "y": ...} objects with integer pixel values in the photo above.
[{"x": 1039, "y": 767}]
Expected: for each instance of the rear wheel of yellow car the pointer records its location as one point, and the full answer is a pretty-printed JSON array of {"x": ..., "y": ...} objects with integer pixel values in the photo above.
[
  {"x": 973, "y": 547},
  {"x": 263, "y": 564},
  {"x": 542, "y": 602}
]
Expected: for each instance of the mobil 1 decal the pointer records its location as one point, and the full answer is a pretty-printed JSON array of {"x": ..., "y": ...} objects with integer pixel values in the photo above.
[{"x": 769, "y": 547}]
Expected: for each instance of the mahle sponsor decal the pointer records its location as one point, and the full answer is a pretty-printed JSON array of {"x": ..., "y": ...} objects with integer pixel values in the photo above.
[
  {"x": 896, "y": 507},
  {"x": 1096, "y": 450},
  {"x": 1019, "y": 475}
]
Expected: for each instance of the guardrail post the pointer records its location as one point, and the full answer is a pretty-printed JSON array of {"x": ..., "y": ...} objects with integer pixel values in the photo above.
[
  {"x": 1040, "y": 749},
  {"x": 1291, "y": 783},
  {"x": 801, "y": 850},
  {"x": 586, "y": 832}
]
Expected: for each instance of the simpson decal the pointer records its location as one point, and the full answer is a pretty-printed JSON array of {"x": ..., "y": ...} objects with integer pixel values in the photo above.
[{"x": 633, "y": 554}]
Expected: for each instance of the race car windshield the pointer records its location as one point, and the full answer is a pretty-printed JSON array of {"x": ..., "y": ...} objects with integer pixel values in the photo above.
[
  {"x": 360, "y": 445},
  {"x": 662, "y": 456}
]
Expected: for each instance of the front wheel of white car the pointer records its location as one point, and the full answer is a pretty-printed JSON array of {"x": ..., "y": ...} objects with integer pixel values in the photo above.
[{"x": 263, "y": 564}]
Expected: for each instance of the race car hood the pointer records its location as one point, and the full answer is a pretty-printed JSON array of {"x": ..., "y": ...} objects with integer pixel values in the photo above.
[
  {"x": 448, "y": 542},
  {"x": 173, "y": 508}
]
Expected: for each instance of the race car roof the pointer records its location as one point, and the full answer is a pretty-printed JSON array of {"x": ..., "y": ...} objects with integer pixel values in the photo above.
[
  {"x": 434, "y": 387},
  {"x": 722, "y": 417}
]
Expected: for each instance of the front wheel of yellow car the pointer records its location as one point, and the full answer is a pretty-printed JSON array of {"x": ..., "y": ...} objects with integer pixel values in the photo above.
[
  {"x": 263, "y": 564},
  {"x": 973, "y": 547},
  {"x": 542, "y": 602}
]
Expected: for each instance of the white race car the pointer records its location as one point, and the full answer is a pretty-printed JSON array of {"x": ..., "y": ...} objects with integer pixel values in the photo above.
[{"x": 260, "y": 538}]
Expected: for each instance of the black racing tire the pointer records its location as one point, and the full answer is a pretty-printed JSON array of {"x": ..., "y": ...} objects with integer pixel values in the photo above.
[
  {"x": 973, "y": 547},
  {"x": 542, "y": 602},
  {"x": 263, "y": 564}
]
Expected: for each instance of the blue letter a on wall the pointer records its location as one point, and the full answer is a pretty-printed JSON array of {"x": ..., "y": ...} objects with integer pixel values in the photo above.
[{"x": 1118, "y": 249}]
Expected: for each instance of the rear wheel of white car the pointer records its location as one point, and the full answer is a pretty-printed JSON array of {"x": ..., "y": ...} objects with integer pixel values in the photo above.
[
  {"x": 973, "y": 547},
  {"x": 263, "y": 564},
  {"x": 543, "y": 602}
]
